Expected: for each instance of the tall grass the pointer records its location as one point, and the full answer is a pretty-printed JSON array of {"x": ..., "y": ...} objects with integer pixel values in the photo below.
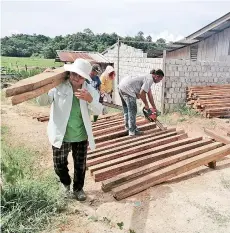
[{"x": 29, "y": 200}]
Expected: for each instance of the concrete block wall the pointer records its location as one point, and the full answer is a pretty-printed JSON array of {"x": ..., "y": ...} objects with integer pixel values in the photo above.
[
  {"x": 184, "y": 73},
  {"x": 134, "y": 62}
]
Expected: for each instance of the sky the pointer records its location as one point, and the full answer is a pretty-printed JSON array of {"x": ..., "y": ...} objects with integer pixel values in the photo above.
[{"x": 171, "y": 20}]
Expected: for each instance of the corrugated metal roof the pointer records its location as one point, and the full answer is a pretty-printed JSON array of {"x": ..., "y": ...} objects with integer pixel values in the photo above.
[{"x": 71, "y": 56}]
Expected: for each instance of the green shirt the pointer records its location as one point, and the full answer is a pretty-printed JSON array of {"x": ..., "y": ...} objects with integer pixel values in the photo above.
[{"x": 75, "y": 130}]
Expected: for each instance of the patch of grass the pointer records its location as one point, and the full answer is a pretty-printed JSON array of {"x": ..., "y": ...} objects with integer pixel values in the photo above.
[
  {"x": 28, "y": 200},
  {"x": 186, "y": 111},
  {"x": 20, "y": 62}
]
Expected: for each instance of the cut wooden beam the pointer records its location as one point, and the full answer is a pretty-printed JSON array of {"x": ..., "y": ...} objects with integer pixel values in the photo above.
[
  {"x": 116, "y": 152},
  {"x": 17, "y": 99},
  {"x": 109, "y": 116},
  {"x": 42, "y": 119},
  {"x": 137, "y": 163},
  {"x": 113, "y": 182},
  {"x": 168, "y": 143},
  {"x": 108, "y": 121},
  {"x": 35, "y": 82},
  {"x": 127, "y": 140},
  {"x": 169, "y": 172},
  {"x": 115, "y": 128},
  {"x": 219, "y": 138},
  {"x": 123, "y": 133},
  {"x": 124, "y": 138}
]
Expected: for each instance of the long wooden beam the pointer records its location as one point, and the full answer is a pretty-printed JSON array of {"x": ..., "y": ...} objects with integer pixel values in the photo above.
[
  {"x": 113, "y": 182},
  {"x": 127, "y": 140},
  {"x": 123, "y": 133},
  {"x": 217, "y": 137},
  {"x": 35, "y": 82},
  {"x": 166, "y": 143},
  {"x": 169, "y": 172},
  {"x": 17, "y": 99},
  {"x": 142, "y": 161},
  {"x": 124, "y": 150}
]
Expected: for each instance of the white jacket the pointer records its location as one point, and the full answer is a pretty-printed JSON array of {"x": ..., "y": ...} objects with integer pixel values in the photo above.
[{"x": 61, "y": 98}]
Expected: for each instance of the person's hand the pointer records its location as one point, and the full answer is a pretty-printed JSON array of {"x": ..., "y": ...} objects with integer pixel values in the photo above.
[
  {"x": 83, "y": 94},
  {"x": 138, "y": 96},
  {"x": 146, "y": 107}
]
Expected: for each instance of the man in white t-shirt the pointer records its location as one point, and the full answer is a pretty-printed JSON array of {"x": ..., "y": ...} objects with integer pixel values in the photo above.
[{"x": 132, "y": 88}]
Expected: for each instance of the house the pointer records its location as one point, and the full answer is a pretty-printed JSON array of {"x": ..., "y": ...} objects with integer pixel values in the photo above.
[{"x": 210, "y": 43}]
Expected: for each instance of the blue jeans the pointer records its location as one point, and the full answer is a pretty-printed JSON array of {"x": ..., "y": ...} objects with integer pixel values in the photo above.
[{"x": 129, "y": 105}]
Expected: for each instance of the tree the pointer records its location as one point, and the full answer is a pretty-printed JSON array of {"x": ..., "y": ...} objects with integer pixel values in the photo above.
[
  {"x": 149, "y": 38},
  {"x": 23, "y": 45}
]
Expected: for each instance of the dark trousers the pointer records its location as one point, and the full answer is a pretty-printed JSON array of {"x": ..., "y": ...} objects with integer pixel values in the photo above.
[{"x": 60, "y": 159}]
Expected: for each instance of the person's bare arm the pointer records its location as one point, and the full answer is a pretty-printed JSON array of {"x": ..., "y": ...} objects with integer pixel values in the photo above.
[
  {"x": 151, "y": 100},
  {"x": 144, "y": 99}
]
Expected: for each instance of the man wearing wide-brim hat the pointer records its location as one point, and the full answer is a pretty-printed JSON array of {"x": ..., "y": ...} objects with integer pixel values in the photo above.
[{"x": 69, "y": 127}]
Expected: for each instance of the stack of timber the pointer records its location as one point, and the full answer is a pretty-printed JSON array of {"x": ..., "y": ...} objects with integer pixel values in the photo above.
[
  {"x": 128, "y": 165},
  {"x": 35, "y": 86},
  {"x": 211, "y": 101}
]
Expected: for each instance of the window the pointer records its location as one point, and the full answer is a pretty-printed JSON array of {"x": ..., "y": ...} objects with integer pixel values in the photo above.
[{"x": 193, "y": 52}]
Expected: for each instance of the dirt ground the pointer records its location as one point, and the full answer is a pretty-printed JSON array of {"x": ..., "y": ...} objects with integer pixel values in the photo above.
[{"x": 196, "y": 202}]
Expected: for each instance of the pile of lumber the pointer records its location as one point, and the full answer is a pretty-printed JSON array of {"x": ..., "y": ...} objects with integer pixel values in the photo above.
[
  {"x": 128, "y": 165},
  {"x": 35, "y": 86},
  {"x": 210, "y": 101}
]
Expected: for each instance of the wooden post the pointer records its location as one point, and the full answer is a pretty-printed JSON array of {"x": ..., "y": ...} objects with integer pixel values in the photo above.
[
  {"x": 163, "y": 84},
  {"x": 212, "y": 164},
  {"x": 118, "y": 59}
]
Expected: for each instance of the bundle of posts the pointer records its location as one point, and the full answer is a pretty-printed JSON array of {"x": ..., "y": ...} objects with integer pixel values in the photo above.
[
  {"x": 35, "y": 86},
  {"x": 210, "y": 101}
]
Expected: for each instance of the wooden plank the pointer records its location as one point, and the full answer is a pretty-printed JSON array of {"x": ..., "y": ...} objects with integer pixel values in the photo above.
[
  {"x": 169, "y": 172},
  {"x": 124, "y": 138},
  {"x": 142, "y": 161},
  {"x": 108, "y": 121},
  {"x": 17, "y": 99},
  {"x": 128, "y": 140},
  {"x": 35, "y": 82},
  {"x": 210, "y": 106},
  {"x": 123, "y": 133},
  {"x": 218, "y": 137},
  {"x": 113, "y": 182},
  {"x": 116, "y": 152},
  {"x": 111, "y": 105},
  {"x": 167, "y": 143},
  {"x": 212, "y": 97},
  {"x": 117, "y": 127},
  {"x": 109, "y": 116}
]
